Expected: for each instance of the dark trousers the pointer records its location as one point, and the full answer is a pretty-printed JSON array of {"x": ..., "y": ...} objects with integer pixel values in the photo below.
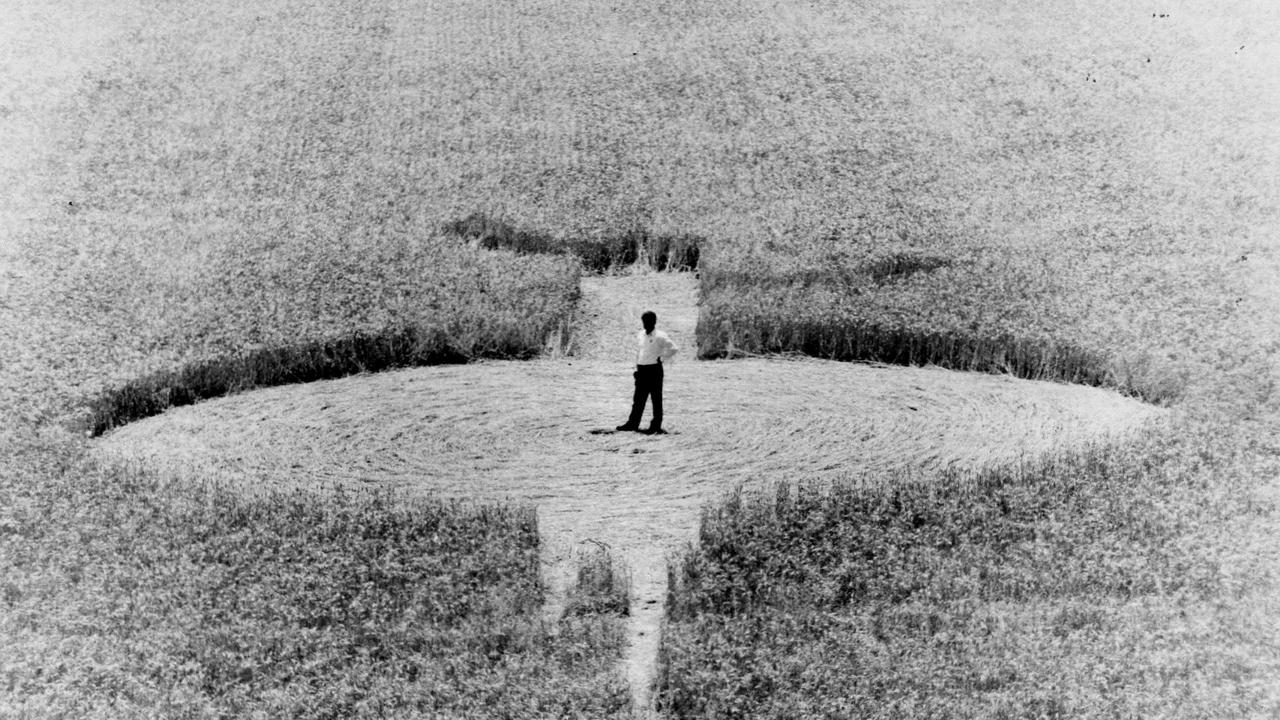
[{"x": 648, "y": 384}]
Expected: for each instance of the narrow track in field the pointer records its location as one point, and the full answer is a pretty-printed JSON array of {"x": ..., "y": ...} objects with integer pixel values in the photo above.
[{"x": 523, "y": 431}]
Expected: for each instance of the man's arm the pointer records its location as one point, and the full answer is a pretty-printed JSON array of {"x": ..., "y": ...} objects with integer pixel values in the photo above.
[{"x": 670, "y": 350}]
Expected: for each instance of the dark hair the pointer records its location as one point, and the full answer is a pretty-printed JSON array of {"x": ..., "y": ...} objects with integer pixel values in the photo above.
[{"x": 649, "y": 317}]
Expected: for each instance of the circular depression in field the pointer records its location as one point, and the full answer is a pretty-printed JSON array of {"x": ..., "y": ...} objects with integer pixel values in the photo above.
[{"x": 523, "y": 431}]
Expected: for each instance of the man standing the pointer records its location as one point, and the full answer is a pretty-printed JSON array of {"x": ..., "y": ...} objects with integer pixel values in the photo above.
[{"x": 654, "y": 347}]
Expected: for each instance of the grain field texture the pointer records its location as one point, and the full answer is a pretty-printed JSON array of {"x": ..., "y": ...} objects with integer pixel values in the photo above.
[{"x": 531, "y": 432}]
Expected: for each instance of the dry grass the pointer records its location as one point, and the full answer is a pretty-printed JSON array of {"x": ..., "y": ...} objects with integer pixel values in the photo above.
[
  {"x": 607, "y": 317},
  {"x": 127, "y": 594},
  {"x": 138, "y": 254},
  {"x": 636, "y": 245},
  {"x": 455, "y": 304},
  {"x": 523, "y": 430},
  {"x": 751, "y": 416},
  {"x": 1083, "y": 177},
  {"x": 1118, "y": 582}
]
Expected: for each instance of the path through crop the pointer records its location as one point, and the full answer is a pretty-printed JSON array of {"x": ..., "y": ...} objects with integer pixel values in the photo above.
[{"x": 523, "y": 430}]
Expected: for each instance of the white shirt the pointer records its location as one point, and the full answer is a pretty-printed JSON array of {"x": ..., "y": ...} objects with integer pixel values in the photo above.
[{"x": 654, "y": 346}]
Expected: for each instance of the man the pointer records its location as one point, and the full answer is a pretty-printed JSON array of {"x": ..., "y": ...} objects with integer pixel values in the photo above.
[{"x": 654, "y": 347}]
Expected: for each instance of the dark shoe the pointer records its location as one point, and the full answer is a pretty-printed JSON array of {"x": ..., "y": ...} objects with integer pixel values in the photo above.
[
  {"x": 654, "y": 431},
  {"x": 628, "y": 428}
]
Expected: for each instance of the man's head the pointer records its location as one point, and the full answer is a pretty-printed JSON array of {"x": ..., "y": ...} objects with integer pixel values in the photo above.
[{"x": 650, "y": 320}]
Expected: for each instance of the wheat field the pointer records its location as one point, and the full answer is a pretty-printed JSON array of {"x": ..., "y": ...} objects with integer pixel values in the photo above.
[
  {"x": 530, "y": 432},
  {"x": 201, "y": 200}
]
